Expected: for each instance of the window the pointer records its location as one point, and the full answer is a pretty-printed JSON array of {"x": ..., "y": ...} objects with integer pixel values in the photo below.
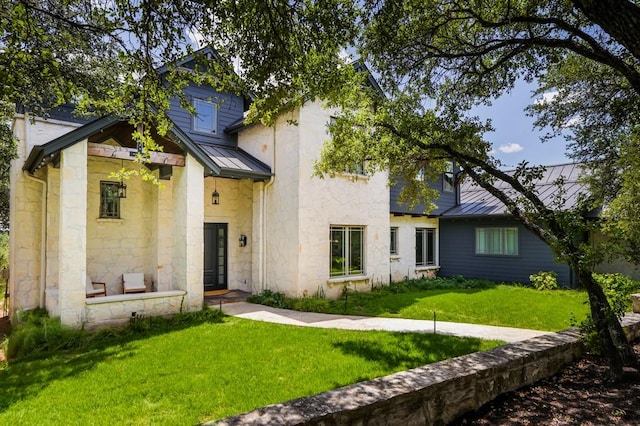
[
  {"x": 357, "y": 168},
  {"x": 347, "y": 251},
  {"x": 425, "y": 246},
  {"x": 109, "y": 200},
  {"x": 500, "y": 241},
  {"x": 205, "y": 120},
  {"x": 447, "y": 178},
  {"x": 393, "y": 244}
]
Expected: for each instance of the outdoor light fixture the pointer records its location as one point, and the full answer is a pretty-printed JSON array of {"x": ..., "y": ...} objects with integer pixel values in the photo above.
[
  {"x": 215, "y": 197},
  {"x": 122, "y": 190},
  {"x": 243, "y": 240},
  {"x": 122, "y": 187}
]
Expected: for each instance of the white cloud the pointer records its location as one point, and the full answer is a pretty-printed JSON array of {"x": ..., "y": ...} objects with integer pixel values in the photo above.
[
  {"x": 510, "y": 148},
  {"x": 547, "y": 97}
]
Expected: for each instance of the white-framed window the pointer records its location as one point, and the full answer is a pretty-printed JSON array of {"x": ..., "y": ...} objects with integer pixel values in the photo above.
[
  {"x": 393, "y": 242},
  {"x": 497, "y": 241},
  {"x": 347, "y": 250},
  {"x": 206, "y": 118},
  {"x": 109, "y": 200},
  {"x": 447, "y": 178},
  {"x": 425, "y": 246}
]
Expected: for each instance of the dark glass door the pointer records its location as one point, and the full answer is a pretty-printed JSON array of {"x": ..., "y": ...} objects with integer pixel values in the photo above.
[{"x": 215, "y": 256}]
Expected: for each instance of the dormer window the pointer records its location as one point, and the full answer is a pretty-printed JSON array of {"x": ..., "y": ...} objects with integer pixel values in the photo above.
[
  {"x": 205, "y": 120},
  {"x": 447, "y": 178}
]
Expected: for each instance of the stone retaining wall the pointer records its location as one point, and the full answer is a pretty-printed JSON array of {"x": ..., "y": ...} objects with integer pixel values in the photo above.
[{"x": 433, "y": 394}]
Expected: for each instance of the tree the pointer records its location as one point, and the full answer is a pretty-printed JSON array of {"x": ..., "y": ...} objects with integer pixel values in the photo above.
[{"x": 461, "y": 53}]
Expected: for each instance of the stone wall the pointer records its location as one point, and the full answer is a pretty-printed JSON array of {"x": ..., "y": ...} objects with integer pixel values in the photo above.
[{"x": 433, "y": 394}]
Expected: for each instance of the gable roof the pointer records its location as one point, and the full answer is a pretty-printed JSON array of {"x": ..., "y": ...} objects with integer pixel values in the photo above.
[
  {"x": 476, "y": 201},
  {"x": 226, "y": 162}
]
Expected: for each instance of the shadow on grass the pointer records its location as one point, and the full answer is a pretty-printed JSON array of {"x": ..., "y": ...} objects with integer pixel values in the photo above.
[
  {"x": 25, "y": 378},
  {"x": 410, "y": 350}
]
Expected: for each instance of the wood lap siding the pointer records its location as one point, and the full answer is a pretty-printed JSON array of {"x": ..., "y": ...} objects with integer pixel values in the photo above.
[
  {"x": 457, "y": 253},
  {"x": 446, "y": 201},
  {"x": 230, "y": 110}
]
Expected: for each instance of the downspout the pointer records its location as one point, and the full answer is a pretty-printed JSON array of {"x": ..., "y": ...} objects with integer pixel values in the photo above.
[
  {"x": 43, "y": 224},
  {"x": 263, "y": 228}
]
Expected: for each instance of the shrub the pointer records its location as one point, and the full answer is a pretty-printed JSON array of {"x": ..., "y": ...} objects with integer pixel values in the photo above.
[
  {"x": 274, "y": 299},
  {"x": 544, "y": 280}
]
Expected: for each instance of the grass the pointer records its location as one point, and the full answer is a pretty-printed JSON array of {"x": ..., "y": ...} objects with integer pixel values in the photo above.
[
  {"x": 501, "y": 305},
  {"x": 206, "y": 372}
]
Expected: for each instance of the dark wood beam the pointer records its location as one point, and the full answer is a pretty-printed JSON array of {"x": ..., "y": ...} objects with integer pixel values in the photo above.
[{"x": 122, "y": 153}]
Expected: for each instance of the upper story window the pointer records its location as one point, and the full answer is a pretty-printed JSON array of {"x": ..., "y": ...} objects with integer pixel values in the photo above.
[
  {"x": 109, "y": 200},
  {"x": 447, "y": 178},
  {"x": 206, "y": 118},
  {"x": 347, "y": 251},
  {"x": 497, "y": 241}
]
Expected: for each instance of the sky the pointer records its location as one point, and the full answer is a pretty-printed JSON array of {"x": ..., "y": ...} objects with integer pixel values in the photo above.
[{"x": 515, "y": 139}]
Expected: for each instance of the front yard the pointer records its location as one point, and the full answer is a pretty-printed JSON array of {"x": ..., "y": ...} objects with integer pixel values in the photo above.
[{"x": 206, "y": 371}]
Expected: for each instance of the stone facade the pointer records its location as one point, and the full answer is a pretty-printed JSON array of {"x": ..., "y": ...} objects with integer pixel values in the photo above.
[{"x": 299, "y": 208}]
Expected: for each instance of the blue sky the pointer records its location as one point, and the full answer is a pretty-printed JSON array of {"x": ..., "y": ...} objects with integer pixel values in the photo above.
[{"x": 515, "y": 139}]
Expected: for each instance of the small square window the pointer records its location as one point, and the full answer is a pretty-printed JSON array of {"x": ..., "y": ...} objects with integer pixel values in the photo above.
[
  {"x": 109, "y": 200},
  {"x": 205, "y": 119}
]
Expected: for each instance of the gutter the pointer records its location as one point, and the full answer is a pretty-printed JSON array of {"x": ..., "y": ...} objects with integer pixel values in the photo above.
[{"x": 263, "y": 228}]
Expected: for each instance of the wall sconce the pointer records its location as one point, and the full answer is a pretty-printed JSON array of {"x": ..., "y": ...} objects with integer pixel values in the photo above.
[
  {"x": 122, "y": 190},
  {"x": 215, "y": 197},
  {"x": 243, "y": 240}
]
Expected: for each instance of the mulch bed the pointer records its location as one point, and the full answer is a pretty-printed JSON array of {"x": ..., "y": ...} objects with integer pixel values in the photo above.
[{"x": 578, "y": 395}]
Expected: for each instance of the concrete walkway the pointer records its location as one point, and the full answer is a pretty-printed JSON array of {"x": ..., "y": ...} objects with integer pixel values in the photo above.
[{"x": 349, "y": 322}]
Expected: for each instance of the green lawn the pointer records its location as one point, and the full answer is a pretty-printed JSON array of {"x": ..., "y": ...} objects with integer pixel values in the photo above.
[
  {"x": 503, "y": 305},
  {"x": 207, "y": 372}
]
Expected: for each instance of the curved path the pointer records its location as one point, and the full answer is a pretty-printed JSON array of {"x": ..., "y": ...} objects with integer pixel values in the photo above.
[{"x": 350, "y": 322}]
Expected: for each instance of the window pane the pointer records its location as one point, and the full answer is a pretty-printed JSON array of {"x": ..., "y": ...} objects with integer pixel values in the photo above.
[
  {"x": 338, "y": 255},
  {"x": 205, "y": 118},
  {"x": 419, "y": 247},
  {"x": 394, "y": 241},
  {"x": 511, "y": 241},
  {"x": 431, "y": 247},
  {"x": 447, "y": 178},
  {"x": 481, "y": 241},
  {"x": 355, "y": 251},
  {"x": 109, "y": 200}
]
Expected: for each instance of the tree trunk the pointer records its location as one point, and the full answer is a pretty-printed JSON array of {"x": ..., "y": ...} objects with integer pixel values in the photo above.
[{"x": 614, "y": 344}]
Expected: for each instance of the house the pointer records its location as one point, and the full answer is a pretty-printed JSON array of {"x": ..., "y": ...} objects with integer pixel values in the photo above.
[
  {"x": 480, "y": 238},
  {"x": 239, "y": 209}
]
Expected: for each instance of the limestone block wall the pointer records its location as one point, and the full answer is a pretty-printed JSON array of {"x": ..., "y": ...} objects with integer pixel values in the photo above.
[
  {"x": 26, "y": 206},
  {"x": 162, "y": 258},
  {"x": 116, "y": 310},
  {"x": 435, "y": 394},
  {"x": 116, "y": 246},
  {"x": 72, "y": 245},
  {"x": 188, "y": 237},
  {"x": 403, "y": 264},
  {"x": 276, "y": 211},
  {"x": 236, "y": 210},
  {"x": 345, "y": 199}
]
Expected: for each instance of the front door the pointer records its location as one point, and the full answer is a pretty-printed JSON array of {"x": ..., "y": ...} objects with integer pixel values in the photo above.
[{"x": 215, "y": 256}]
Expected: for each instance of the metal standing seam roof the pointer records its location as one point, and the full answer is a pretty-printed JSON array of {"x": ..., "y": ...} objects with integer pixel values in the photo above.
[
  {"x": 234, "y": 162},
  {"x": 476, "y": 201}
]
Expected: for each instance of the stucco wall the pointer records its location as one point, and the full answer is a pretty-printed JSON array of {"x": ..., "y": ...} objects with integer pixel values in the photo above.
[{"x": 403, "y": 264}]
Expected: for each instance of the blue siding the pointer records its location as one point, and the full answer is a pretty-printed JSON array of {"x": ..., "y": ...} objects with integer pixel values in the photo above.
[
  {"x": 446, "y": 200},
  {"x": 230, "y": 110},
  {"x": 457, "y": 253}
]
